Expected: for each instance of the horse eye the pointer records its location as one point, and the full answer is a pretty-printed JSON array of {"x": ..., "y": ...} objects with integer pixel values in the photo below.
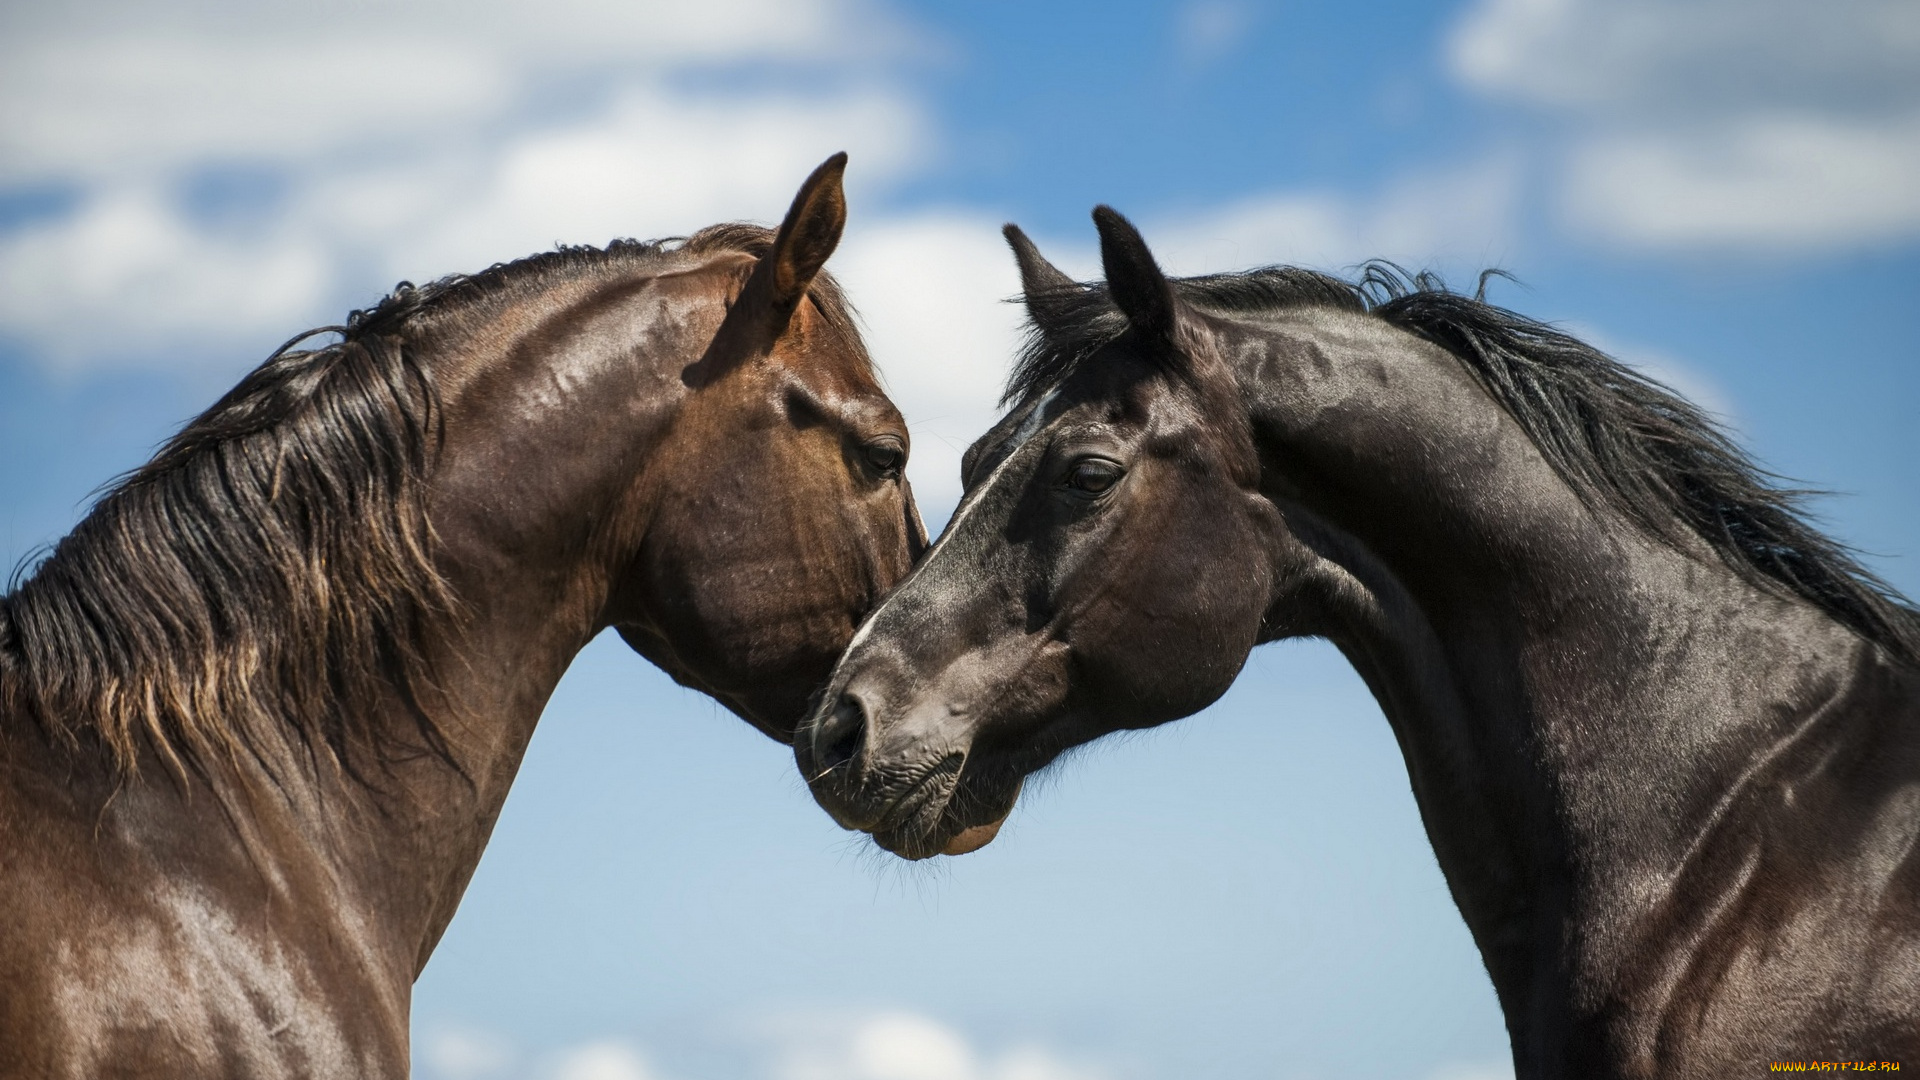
[
  {"x": 885, "y": 454},
  {"x": 1094, "y": 476}
]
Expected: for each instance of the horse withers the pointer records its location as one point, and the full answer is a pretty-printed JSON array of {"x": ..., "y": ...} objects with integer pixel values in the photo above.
[
  {"x": 260, "y": 710},
  {"x": 1664, "y": 735}
]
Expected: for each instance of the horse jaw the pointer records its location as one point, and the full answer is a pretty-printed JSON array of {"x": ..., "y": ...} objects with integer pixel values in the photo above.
[{"x": 973, "y": 839}]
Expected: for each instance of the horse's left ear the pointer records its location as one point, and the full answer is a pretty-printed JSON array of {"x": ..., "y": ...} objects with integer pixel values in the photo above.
[
  {"x": 806, "y": 238},
  {"x": 1134, "y": 280}
]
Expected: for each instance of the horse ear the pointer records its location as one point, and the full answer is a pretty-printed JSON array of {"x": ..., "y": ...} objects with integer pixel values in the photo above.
[
  {"x": 808, "y": 235},
  {"x": 781, "y": 277},
  {"x": 1045, "y": 289},
  {"x": 1134, "y": 280}
]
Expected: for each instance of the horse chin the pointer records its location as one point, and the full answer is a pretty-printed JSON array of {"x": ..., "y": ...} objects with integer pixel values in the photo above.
[
  {"x": 960, "y": 836},
  {"x": 973, "y": 839},
  {"x": 910, "y": 847},
  {"x": 915, "y": 848}
]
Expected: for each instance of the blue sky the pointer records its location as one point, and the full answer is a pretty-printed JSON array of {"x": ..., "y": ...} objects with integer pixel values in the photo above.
[{"x": 1719, "y": 190}]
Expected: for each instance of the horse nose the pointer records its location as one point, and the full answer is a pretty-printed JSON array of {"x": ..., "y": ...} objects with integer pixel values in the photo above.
[
  {"x": 838, "y": 738},
  {"x": 829, "y": 754}
]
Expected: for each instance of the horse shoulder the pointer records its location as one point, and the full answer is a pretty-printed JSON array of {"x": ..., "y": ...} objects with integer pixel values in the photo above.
[
  {"x": 132, "y": 946},
  {"x": 1802, "y": 932}
]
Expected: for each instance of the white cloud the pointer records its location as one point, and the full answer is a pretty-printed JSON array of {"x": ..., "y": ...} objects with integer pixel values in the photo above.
[
  {"x": 464, "y": 1054},
  {"x": 900, "y": 1045},
  {"x": 432, "y": 146},
  {"x": 932, "y": 290},
  {"x": 888, "y": 1044},
  {"x": 903, "y": 1046},
  {"x": 1037, "y": 1063},
  {"x": 1463, "y": 214},
  {"x": 128, "y": 269},
  {"x": 120, "y": 106},
  {"x": 111, "y": 86},
  {"x": 608, "y": 1059},
  {"x": 1767, "y": 125},
  {"x": 1702, "y": 56},
  {"x": 460, "y": 1054},
  {"x": 658, "y": 163},
  {"x": 132, "y": 268},
  {"x": 1206, "y": 30},
  {"x": 1789, "y": 182}
]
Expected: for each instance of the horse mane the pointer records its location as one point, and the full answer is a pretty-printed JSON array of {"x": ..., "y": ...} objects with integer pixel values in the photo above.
[
  {"x": 272, "y": 568},
  {"x": 1618, "y": 437},
  {"x": 460, "y": 295}
]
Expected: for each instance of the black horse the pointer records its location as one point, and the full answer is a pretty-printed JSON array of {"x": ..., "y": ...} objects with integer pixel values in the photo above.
[{"x": 1664, "y": 736}]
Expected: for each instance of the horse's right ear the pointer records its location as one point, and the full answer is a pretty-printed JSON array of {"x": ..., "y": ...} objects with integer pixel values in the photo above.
[
  {"x": 1045, "y": 289},
  {"x": 806, "y": 238},
  {"x": 1134, "y": 279}
]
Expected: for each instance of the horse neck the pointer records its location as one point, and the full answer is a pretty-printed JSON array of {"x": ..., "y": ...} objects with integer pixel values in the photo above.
[
  {"x": 533, "y": 506},
  {"x": 1573, "y": 698}
]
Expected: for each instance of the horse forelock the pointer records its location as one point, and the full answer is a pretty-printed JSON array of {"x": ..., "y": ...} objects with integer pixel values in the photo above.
[
  {"x": 1616, "y": 436},
  {"x": 272, "y": 570}
]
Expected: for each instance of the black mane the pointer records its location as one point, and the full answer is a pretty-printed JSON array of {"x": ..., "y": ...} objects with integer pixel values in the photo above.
[
  {"x": 272, "y": 567},
  {"x": 1617, "y": 436}
]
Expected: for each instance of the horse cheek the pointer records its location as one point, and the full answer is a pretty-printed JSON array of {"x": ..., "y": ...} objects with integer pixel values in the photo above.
[{"x": 1185, "y": 624}]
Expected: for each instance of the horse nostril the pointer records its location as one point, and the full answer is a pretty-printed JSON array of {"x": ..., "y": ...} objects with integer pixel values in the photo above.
[{"x": 837, "y": 740}]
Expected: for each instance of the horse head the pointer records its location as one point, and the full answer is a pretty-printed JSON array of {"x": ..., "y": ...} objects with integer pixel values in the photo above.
[
  {"x": 783, "y": 513},
  {"x": 1107, "y": 568}
]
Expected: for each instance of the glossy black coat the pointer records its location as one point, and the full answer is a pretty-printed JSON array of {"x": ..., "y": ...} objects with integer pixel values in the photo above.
[{"x": 1670, "y": 768}]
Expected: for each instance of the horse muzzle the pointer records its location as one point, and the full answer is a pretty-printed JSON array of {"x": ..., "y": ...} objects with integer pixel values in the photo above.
[{"x": 905, "y": 784}]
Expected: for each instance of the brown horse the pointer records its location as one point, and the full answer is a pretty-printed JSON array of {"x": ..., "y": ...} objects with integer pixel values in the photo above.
[
  {"x": 259, "y": 712},
  {"x": 1664, "y": 735}
]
